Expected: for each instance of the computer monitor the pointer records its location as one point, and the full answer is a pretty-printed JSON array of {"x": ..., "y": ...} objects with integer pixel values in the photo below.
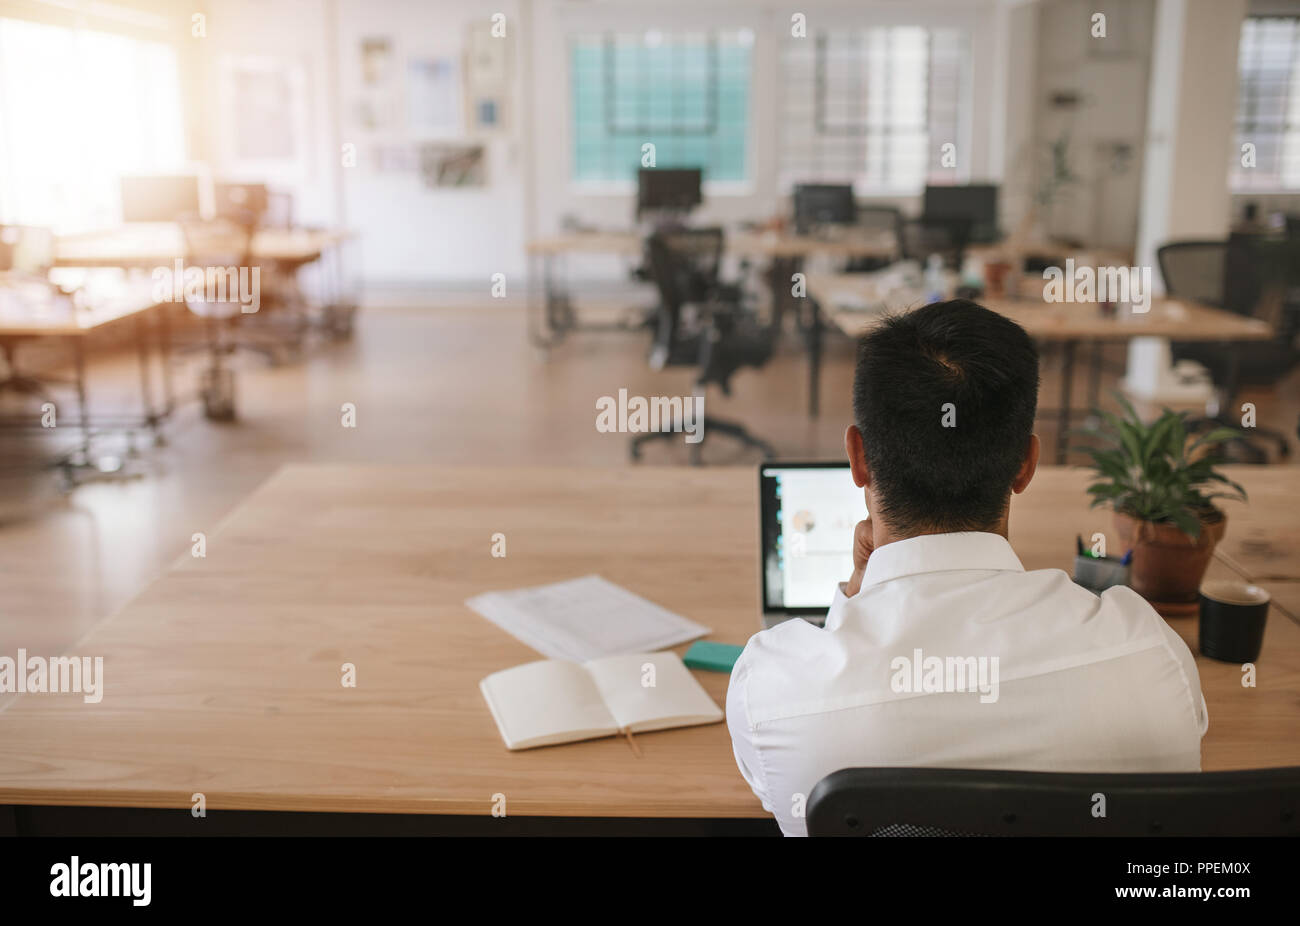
[
  {"x": 824, "y": 204},
  {"x": 971, "y": 209},
  {"x": 237, "y": 200},
  {"x": 668, "y": 189},
  {"x": 807, "y": 513},
  {"x": 160, "y": 198}
]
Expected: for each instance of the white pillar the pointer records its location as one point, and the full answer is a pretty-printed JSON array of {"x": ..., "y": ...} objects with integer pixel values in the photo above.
[{"x": 1190, "y": 113}]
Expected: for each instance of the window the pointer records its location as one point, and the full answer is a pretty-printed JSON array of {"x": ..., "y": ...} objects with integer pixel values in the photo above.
[
  {"x": 1268, "y": 105},
  {"x": 874, "y": 106},
  {"x": 687, "y": 94},
  {"x": 77, "y": 110}
]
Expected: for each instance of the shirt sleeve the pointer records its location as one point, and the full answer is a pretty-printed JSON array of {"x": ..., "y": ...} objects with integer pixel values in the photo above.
[
  {"x": 1187, "y": 662},
  {"x": 836, "y": 611},
  {"x": 742, "y": 732}
]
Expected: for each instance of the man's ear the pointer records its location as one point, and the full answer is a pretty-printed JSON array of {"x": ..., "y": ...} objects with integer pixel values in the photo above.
[
  {"x": 857, "y": 455},
  {"x": 1028, "y": 467}
]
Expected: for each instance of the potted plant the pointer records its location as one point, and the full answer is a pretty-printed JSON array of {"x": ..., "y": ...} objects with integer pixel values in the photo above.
[{"x": 1161, "y": 483}]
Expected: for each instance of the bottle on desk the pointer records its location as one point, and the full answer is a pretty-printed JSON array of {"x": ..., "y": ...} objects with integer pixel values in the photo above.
[{"x": 935, "y": 284}]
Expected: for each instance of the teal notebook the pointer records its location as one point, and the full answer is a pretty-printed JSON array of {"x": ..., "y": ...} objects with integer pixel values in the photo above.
[{"x": 715, "y": 657}]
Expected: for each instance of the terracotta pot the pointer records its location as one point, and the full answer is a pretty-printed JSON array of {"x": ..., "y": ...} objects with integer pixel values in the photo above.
[
  {"x": 995, "y": 278},
  {"x": 1168, "y": 565}
]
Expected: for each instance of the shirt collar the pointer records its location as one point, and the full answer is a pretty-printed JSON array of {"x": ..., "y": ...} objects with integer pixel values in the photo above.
[{"x": 940, "y": 553}]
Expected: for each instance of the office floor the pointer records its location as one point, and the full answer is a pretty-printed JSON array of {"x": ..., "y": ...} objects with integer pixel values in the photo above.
[{"x": 433, "y": 384}]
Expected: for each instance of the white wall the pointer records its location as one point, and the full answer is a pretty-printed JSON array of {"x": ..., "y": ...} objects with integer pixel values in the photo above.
[
  {"x": 409, "y": 232},
  {"x": 294, "y": 32},
  {"x": 1020, "y": 50},
  {"x": 1106, "y": 129}
]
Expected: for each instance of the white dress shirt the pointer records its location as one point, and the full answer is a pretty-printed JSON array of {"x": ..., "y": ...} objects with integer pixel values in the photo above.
[{"x": 1033, "y": 672}]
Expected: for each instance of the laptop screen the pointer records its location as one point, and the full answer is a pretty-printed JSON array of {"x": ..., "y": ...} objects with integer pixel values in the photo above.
[{"x": 808, "y": 513}]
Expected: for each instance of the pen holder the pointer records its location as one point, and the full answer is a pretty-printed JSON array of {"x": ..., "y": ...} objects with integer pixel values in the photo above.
[{"x": 1097, "y": 574}]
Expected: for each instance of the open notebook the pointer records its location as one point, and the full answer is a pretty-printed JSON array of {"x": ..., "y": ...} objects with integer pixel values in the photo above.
[{"x": 553, "y": 701}]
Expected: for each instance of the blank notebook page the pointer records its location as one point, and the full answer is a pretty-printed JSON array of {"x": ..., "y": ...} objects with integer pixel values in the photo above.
[
  {"x": 543, "y": 702},
  {"x": 675, "y": 699}
]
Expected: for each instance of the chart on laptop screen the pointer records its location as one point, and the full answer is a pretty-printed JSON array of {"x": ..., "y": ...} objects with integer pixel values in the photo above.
[{"x": 809, "y": 512}]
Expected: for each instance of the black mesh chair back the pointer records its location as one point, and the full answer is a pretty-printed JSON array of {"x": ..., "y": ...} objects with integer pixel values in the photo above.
[
  {"x": 684, "y": 264},
  {"x": 990, "y": 802},
  {"x": 1194, "y": 270}
]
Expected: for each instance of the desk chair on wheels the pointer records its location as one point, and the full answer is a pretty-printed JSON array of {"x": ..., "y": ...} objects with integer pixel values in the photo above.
[
  {"x": 1228, "y": 275},
  {"x": 223, "y": 242},
  {"x": 993, "y": 802},
  {"x": 705, "y": 323}
]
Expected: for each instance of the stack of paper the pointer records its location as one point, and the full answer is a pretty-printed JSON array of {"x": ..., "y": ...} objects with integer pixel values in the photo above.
[{"x": 584, "y": 619}]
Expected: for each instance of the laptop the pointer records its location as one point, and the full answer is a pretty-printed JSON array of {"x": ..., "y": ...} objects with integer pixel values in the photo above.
[{"x": 807, "y": 515}]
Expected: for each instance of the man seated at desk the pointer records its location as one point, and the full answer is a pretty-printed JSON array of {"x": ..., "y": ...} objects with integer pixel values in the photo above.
[{"x": 1040, "y": 674}]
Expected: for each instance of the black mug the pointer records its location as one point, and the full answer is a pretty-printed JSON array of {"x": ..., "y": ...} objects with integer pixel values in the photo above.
[{"x": 1232, "y": 620}]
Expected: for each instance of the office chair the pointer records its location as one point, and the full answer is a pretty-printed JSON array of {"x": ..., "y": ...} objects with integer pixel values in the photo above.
[
  {"x": 705, "y": 323},
  {"x": 336, "y": 313},
  {"x": 1194, "y": 270},
  {"x": 227, "y": 242},
  {"x": 1228, "y": 275},
  {"x": 994, "y": 802}
]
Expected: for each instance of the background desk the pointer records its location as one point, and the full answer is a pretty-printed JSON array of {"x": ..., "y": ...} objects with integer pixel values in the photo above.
[
  {"x": 558, "y": 316},
  {"x": 752, "y": 244},
  {"x": 32, "y": 311},
  {"x": 151, "y": 245},
  {"x": 1066, "y": 324},
  {"x": 223, "y": 677}
]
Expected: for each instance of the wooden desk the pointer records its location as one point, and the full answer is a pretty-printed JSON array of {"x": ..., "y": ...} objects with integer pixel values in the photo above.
[
  {"x": 616, "y": 243},
  {"x": 855, "y": 301},
  {"x": 842, "y": 296},
  {"x": 1286, "y": 599},
  {"x": 223, "y": 677},
  {"x": 31, "y": 308},
  {"x": 151, "y": 245},
  {"x": 1262, "y": 543}
]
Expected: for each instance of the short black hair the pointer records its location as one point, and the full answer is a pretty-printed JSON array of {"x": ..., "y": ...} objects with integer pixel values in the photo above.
[{"x": 945, "y": 397}]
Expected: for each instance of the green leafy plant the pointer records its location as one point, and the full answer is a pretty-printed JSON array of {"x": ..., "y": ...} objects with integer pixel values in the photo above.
[{"x": 1154, "y": 472}]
